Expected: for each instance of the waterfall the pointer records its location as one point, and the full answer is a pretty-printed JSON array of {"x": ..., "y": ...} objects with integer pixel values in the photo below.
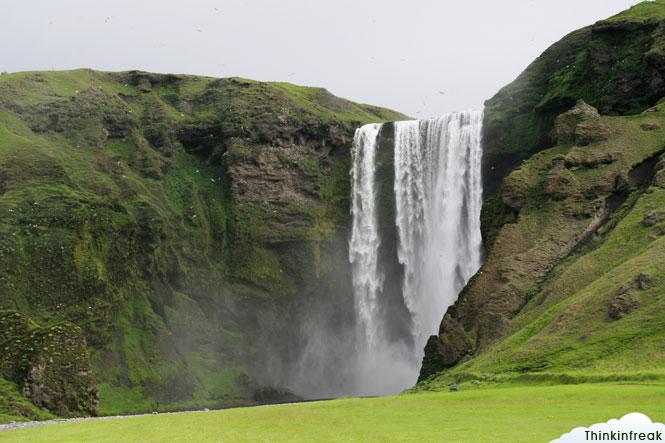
[
  {"x": 364, "y": 242},
  {"x": 414, "y": 243},
  {"x": 437, "y": 199}
]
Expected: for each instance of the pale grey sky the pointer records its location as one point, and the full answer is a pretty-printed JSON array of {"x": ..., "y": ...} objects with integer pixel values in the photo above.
[{"x": 421, "y": 57}]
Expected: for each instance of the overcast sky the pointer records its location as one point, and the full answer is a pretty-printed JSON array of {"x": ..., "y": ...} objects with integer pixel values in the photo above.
[{"x": 421, "y": 57}]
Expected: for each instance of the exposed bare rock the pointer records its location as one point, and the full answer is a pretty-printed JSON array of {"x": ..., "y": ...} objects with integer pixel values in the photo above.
[
  {"x": 60, "y": 378},
  {"x": 591, "y": 131},
  {"x": 277, "y": 183},
  {"x": 643, "y": 281},
  {"x": 51, "y": 365},
  {"x": 659, "y": 173},
  {"x": 652, "y": 218},
  {"x": 650, "y": 126},
  {"x": 513, "y": 193},
  {"x": 446, "y": 349},
  {"x": 583, "y": 158},
  {"x": 659, "y": 179},
  {"x": 622, "y": 304},
  {"x": 624, "y": 301}
]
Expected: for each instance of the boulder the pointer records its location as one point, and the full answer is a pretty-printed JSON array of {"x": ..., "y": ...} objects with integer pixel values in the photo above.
[
  {"x": 581, "y": 125},
  {"x": 652, "y": 218},
  {"x": 622, "y": 304},
  {"x": 643, "y": 281},
  {"x": 272, "y": 395},
  {"x": 624, "y": 301}
]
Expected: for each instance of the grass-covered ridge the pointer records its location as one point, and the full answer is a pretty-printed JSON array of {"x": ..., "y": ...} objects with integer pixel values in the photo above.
[
  {"x": 643, "y": 11},
  {"x": 132, "y": 206}
]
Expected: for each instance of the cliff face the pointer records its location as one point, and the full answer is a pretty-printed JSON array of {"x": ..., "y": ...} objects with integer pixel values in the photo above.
[
  {"x": 169, "y": 228},
  {"x": 573, "y": 276}
]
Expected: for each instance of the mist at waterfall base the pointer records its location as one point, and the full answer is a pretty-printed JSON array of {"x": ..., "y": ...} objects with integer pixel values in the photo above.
[{"x": 414, "y": 243}]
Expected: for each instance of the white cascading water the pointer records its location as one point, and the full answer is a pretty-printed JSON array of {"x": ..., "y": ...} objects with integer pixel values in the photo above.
[
  {"x": 364, "y": 242},
  {"x": 438, "y": 195}
]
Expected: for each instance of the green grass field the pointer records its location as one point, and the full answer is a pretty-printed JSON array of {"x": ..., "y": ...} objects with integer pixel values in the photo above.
[{"x": 509, "y": 413}]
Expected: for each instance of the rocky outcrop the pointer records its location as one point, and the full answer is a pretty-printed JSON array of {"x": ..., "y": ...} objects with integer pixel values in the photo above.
[
  {"x": 652, "y": 218},
  {"x": 659, "y": 173},
  {"x": 625, "y": 300},
  {"x": 581, "y": 125},
  {"x": 560, "y": 183},
  {"x": 622, "y": 304},
  {"x": 50, "y": 364}
]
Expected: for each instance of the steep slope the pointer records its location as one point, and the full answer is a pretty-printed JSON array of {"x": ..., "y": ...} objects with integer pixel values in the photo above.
[
  {"x": 157, "y": 229},
  {"x": 616, "y": 65},
  {"x": 574, "y": 273}
]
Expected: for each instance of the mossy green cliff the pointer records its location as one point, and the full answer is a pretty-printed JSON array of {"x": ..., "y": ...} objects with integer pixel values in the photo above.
[
  {"x": 158, "y": 232},
  {"x": 573, "y": 286}
]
